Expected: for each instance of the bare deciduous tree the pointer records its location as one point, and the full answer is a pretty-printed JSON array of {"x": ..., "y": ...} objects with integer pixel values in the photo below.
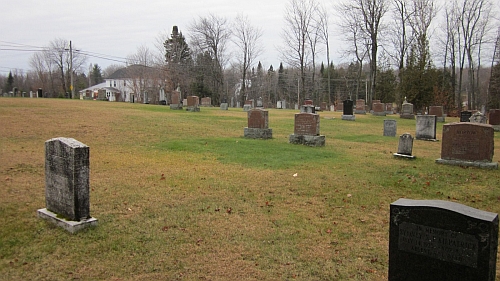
[
  {"x": 210, "y": 35},
  {"x": 246, "y": 37},
  {"x": 297, "y": 34}
]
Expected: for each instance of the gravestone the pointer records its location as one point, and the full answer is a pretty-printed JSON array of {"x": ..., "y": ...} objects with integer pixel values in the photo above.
[
  {"x": 438, "y": 111},
  {"x": 360, "y": 107},
  {"x": 405, "y": 146},
  {"x": 426, "y": 127},
  {"x": 436, "y": 240},
  {"x": 224, "y": 106},
  {"x": 260, "y": 103},
  {"x": 248, "y": 105},
  {"x": 339, "y": 107},
  {"x": 494, "y": 119},
  {"x": 67, "y": 184},
  {"x": 348, "y": 111},
  {"x": 39, "y": 93},
  {"x": 206, "y": 101},
  {"x": 378, "y": 109},
  {"x": 175, "y": 100},
  {"x": 162, "y": 98},
  {"x": 258, "y": 128},
  {"x": 388, "y": 109},
  {"x": 478, "y": 117},
  {"x": 390, "y": 128},
  {"x": 308, "y": 102},
  {"x": 323, "y": 106},
  {"x": 306, "y": 130},
  {"x": 465, "y": 116},
  {"x": 307, "y": 109},
  {"x": 407, "y": 111},
  {"x": 468, "y": 144},
  {"x": 193, "y": 104}
]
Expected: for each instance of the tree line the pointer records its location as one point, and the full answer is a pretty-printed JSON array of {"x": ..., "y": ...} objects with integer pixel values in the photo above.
[{"x": 395, "y": 50}]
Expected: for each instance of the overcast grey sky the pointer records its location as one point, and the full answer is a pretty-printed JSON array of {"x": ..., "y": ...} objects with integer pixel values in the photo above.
[{"x": 118, "y": 28}]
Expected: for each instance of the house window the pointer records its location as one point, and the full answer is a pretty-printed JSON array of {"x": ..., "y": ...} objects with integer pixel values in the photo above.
[
  {"x": 110, "y": 84},
  {"x": 115, "y": 83},
  {"x": 124, "y": 83}
]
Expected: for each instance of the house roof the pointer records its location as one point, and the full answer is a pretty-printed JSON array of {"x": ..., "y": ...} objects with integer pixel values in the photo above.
[
  {"x": 130, "y": 71},
  {"x": 93, "y": 88}
]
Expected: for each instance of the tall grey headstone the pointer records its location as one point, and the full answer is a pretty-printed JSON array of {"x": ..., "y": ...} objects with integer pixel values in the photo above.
[
  {"x": 426, "y": 127},
  {"x": 405, "y": 146},
  {"x": 67, "y": 184},
  {"x": 436, "y": 240},
  {"x": 390, "y": 128}
]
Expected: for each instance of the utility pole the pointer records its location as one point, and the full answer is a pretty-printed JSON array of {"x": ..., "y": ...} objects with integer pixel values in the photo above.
[{"x": 71, "y": 88}]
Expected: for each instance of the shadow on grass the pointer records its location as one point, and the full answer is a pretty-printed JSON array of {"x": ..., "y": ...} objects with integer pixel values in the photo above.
[{"x": 263, "y": 154}]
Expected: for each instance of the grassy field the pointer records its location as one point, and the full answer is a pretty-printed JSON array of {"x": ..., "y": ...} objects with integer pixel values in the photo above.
[{"x": 226, "y": 208}]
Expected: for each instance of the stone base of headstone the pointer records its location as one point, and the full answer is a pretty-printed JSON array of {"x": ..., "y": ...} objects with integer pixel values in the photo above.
[
  {"x": 389, "y": 113},
  {"x": 224, "y": 106},
  {"x": 247, "y": 107},
  {"x": 441, "y": 119},
  {"x": 359, "y": 111},
  {"x": 477, "y": 164},
  {"x": 175, "y": 106},
  {"x": 258, "y": 133},
  {"x": 193, "y": 109},
  {"x": 379, "y": 113},
  {"x": 496, "y": 128},
  {"x": 349, "y": 117},
  {"x": 307, "y": 140},
  {"x": 407, "y": 116},
  {"x": 425, "y": 139},
  {"x": 404, "y": 156},
  {"x": 71, "y": 226}
]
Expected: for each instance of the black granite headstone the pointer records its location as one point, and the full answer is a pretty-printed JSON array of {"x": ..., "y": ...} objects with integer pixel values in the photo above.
[
  {"x": 348, "y": 107},
  {"x": 40, "y": 93},
  {"x": 465, "y": 115},
  {"x": 438, "y": 240}
]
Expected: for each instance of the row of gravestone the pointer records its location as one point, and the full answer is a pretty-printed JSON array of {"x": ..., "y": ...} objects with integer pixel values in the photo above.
[{"x": 428, "y": 239}]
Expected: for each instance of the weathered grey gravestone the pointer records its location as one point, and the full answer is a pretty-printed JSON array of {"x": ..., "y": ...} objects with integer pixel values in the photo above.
[
  {"x": 405, "y": 147},
  {"x": 67, "y": 184},
  {"x": 390, "y": 128},
  {"x": 306, "y": 130},
  {"x": 426, "y": 127},
  {"x": 478, "y": 117},
  {"x": 407, "y": 111},
  {"x": 436, "y": 240},
  {"x": 224, "y": 106},
  {"x": 258, "y": 128},
  {"x": 307, "y": 108},
  {"x": 348, "y": 111},
  {"x": 468, "y": 144}
]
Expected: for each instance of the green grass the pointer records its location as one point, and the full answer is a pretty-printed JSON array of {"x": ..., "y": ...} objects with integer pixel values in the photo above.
[{"x": 183, "y": 196}]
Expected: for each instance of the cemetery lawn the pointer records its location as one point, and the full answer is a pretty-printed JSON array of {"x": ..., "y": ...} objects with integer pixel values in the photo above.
[{"x": 183, "y": 196}]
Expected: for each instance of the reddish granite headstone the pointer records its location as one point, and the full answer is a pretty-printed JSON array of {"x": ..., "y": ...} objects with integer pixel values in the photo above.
[
  {"x": 193, "y": 101},
  {"x": 375, "y": 101},
  {"x": 378, "y": 107},
  {"x": 494, "y": 118},
  {"x": 436, "y": 110},
  {"x": 308, "y": 102},
  {"x": 467, "y": 142},
  {"x": 250, "y": 102},
  {"x": 306, "y": 124},
  {"x": 323, "y": 106},
  {"x": 258, "y": 118},
  {"x": 176, "y": 97},
  {"x": 360, "y": 104}
]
